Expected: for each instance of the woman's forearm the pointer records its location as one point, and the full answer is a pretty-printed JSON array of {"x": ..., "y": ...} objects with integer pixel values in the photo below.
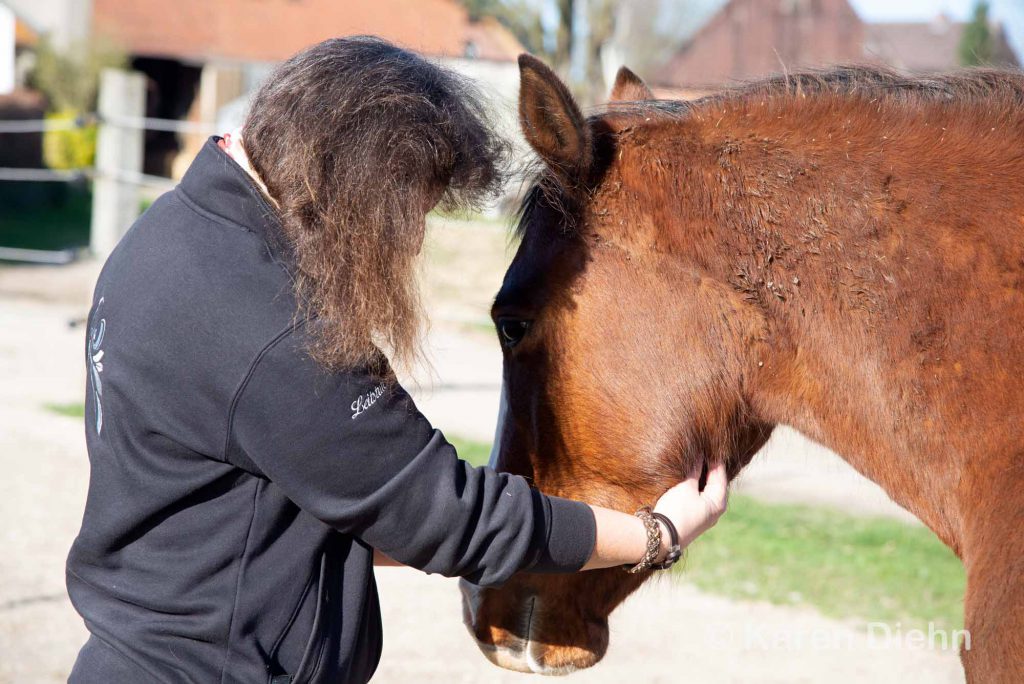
[{"x": 621, "y": 539}]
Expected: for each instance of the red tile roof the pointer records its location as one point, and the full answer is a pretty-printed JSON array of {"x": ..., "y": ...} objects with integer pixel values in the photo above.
[
  {"x": 24, "y": 35},
  {"x": 271, "y": 30},
  {"x": 752, "y": 38}
]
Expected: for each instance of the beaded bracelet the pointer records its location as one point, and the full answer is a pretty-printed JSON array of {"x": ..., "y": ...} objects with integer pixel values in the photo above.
[{"x": 650, "y": 520}]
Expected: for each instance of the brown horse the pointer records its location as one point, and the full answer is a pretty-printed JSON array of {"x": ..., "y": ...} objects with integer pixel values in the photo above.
[{"x": 839, "y": 251}]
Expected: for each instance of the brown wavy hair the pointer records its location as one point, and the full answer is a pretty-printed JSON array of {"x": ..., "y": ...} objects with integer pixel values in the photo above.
[{"x": 356, "y": 140}]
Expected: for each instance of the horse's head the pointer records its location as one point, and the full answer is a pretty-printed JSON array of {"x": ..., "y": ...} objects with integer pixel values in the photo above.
[{"x": 623, "y": 362}]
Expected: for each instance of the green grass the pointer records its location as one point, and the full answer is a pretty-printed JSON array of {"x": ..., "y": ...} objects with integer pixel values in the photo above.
[
  {"x": 845, "y": 566},
  {"x": 73, "y": 410},
  {"x": 49, "y": 225},
  {"x": 475, "y": 452}
]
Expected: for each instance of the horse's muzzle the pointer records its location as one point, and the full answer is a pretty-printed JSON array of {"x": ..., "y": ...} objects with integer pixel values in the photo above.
[{"x": 513, "y": 632}]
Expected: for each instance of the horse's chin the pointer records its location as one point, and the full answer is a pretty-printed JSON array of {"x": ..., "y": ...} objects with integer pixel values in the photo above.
[{"x": 525, "y": 648}]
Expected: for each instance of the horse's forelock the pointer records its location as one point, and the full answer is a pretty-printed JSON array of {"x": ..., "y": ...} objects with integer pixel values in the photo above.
[{"x": 549, "y": 195}]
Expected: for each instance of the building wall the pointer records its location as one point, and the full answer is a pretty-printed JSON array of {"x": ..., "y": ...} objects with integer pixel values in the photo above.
[
  {"x": 750, "y": 38},
  {"x": 219, "y": 85}
]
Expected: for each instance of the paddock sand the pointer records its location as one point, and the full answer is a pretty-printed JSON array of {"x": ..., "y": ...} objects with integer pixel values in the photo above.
[{"x": 667, "y": 632}]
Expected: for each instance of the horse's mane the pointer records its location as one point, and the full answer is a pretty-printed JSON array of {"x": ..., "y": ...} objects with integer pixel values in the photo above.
[{"x": 966, "y": 87}]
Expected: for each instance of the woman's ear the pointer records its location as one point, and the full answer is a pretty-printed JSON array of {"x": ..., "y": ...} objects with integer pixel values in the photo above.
[
  {"x": 629, "y": 88},
  {"x": 552, "y": 121}
]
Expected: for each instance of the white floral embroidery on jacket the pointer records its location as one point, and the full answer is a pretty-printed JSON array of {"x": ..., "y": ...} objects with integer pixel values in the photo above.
[{"x": 96, "y": 364}]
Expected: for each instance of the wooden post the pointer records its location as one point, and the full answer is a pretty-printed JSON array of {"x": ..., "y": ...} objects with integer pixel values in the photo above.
[{"x": 119, "y": 149}]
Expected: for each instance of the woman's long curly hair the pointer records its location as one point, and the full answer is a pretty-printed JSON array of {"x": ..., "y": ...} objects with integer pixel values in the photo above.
[{"x": 356, "y": 140}]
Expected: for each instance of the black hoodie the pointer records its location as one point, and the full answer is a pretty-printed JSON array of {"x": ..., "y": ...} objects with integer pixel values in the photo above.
[{"x": 238, "y": 490}]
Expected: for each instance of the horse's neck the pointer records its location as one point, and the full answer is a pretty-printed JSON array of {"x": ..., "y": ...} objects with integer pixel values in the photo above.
[
  {"x": 835, "y": 388},
  {"x": 893, "y": 315}
]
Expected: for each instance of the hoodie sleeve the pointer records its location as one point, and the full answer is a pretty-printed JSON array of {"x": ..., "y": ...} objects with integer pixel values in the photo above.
[{"x": 355, "y": 452}]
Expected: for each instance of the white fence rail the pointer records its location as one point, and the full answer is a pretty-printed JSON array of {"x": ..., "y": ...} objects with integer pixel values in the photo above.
[
  {"x": 45, "y": 175},
  {"x": 134, "y": 122},
  {"x": 44, "y": 125}
]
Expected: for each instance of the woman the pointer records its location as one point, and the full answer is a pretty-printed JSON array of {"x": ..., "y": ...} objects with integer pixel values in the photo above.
[{"x": 251, "y": 451}]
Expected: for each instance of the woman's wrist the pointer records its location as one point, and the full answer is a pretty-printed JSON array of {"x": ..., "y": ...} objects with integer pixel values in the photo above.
[
  {"x": 621, "y": 539},
  {"x": 663, "y": 548}
]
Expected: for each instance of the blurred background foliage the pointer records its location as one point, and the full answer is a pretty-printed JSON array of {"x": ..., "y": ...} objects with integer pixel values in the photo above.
[
  {"x": 70, "y": 78},
  {"x": 73, "y": 148},
  {"x": 976, "y": 46}
]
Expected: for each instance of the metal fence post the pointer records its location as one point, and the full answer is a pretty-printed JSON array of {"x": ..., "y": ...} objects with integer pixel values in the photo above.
[{"x": 119, "y": 148}]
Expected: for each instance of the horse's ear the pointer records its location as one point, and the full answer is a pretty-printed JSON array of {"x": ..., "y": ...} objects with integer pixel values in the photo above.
[
  {"x": 629, "y": 88},
  {"x": 552, "y": 121}
]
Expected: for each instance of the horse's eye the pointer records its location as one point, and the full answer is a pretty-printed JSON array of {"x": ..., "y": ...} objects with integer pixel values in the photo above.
[{"x": 512, "y": 330}]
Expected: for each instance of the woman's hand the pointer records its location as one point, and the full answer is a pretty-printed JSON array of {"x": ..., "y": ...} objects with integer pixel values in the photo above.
[
  {"x": 622, "y": 538},
  {"x": 691, "y": 510}
]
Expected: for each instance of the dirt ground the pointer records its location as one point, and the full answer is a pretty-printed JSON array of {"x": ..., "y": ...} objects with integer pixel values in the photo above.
[{"x": 668, "y": 632}]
